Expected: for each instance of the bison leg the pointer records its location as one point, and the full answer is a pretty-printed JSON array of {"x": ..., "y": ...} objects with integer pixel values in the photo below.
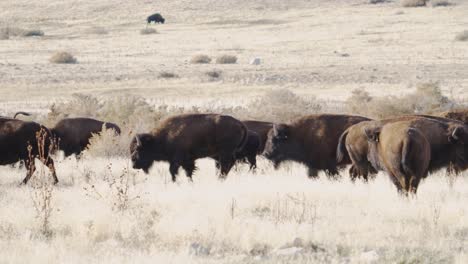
[
  {"x": 31, "y": 168},
  {"x": 226, "y": 161},
  {"x": 253, "y": 162},
  {"x": 50, "y": 164},
  {"x": 189, "y": 167},
  {"x": 312, "y": 173},
  {"x": 173, "y": 169}
]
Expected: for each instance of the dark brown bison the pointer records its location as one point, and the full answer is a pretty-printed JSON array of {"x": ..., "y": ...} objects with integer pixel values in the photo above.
[
  {"x": 257, "y": 135},
  {"x": 459, "y": 114},
  {"x": 248, "y": 153},
  {"x": 445, "y": 149},
  {"x": 156, "y": 18},
  {"x": 261, "y": 128},
  {"x": 182, "y": 139},
  {"x": 310, "y": 140},
  {"x": 402, "y": 151},
  {"x": 25, "y": 141},
  {"x": 72, "y": 134}
]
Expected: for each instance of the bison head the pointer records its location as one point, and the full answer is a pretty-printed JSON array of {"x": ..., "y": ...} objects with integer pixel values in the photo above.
[
  {"x": 279, "y": 146},
  {"x": 459, "y": 136},
  {"x": 142, "y": 152}
]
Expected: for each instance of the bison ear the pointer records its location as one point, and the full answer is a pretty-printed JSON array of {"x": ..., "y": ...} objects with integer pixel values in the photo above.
[
  {"x": 372, "y": 133},
  {"x": 456, "y": 135}
]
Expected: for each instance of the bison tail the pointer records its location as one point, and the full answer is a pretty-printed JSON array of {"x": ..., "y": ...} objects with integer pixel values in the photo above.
[
  {"x": 21, "y": 113},
  {"x": 405, "y": 158},
  {"x": 341, "y": 151},
  {"x": 244, "y": 139}
]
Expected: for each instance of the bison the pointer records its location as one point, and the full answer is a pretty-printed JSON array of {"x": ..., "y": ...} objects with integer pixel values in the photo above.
[
  {"x": 72, "y": 134},
  {"x": 310, "y": 140},
  {"x": 445, "y": 149},
  {"x": 182, "y": 139},
  {"x": 25, "y": 141},
  {"x": 257, "y": 135},
  {"x": 402, "y": 151},
  {"x": 156, "y": 18}
]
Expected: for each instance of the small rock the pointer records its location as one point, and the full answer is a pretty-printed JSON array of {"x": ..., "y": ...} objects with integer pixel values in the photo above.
[
  {"x": 198, "y": 250},
  {"x": 256, "y": 61}
]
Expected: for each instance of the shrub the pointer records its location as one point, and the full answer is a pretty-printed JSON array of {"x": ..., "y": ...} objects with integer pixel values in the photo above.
[
  {"x": 33, "y": 33},
  {"x": 226, "y": 59},
  {"x": 413, "y": 3},
  {"x": 200, "y": 59},
  {"x": 377, "y": 1},
  {"x": 109, "y": 144},
  {"x": 436, "y": 3},
  {"x": 167, "y": 75},
  {"x": 148, "y": 31},
  {"x": 425, "y": 99},
  {"x": 63, "y": 57},
  {"x": 462, "y": 36},
  {"x": 4, "y": 34},
  {"x": 214, "y": 74}
]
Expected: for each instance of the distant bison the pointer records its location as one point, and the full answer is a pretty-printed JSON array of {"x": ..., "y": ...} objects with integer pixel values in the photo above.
[
  {"x": 156, "y": 18},
  {"x": 447, "y": 139},
  {"x": 72, "y": 134},
  {"x": 310, "y": 140},
  {"x": 25, "y": 141},
  {"x": 402, "y": 151},
  {"x": 459, "y": 114},
  {"x": 182, "y": 139}
]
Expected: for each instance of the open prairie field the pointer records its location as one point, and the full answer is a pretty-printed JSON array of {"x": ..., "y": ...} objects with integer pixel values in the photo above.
[{"x": 315, "y": 56}]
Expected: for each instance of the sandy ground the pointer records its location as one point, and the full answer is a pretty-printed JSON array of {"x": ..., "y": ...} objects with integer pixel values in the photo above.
[{"x": 323, "y": 48}]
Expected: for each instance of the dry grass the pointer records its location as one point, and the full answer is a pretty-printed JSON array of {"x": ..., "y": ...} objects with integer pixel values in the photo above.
[
  {"x": 462, "y": 36},
  {"x": 148, "y": 31},
  {"x": 200, "y": 59},
  {"x": 98, "y": 31},
  {"x": 413, "y": 3},
  {"x": 63, "y": 57},
  {"x": 226, "y": 59}
]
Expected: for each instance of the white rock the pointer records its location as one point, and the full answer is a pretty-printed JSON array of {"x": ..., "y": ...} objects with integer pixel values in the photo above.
[{"x": 256, "y": 61}]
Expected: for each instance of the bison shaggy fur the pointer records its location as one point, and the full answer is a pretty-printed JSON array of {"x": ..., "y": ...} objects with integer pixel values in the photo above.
[
  {"x": 25, "y": 141},
  {"x": 310, "y": 140},
  {"x": 182, "y": 139},
  {"x": 73, "y": 134}
]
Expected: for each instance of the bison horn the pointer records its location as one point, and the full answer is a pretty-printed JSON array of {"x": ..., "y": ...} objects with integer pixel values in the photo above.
[
  {"x": 137, "y": 137},
  {"x": 275, "y": 129},
  {"x": 456, "y": 133}
]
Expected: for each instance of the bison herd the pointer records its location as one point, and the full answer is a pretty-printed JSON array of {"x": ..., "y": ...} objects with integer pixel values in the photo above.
[{"x": 407, "y": 147}]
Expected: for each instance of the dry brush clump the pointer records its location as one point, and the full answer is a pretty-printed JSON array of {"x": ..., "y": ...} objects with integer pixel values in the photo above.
[
  {"x": 226, "y": 59},
  {"x": 200, "y": 59},
  {"x": 148, "y": 31},
  {"x": 167, "y": 75},
  {"x": 7, "y": 32},
  {"x": 413, "y": 3},
  {"x": 462, "y": 36},
  {"x": 437, "y": 3},
  {"x": 426, "y": 98},
  {"x": 63, "y": 57}
]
